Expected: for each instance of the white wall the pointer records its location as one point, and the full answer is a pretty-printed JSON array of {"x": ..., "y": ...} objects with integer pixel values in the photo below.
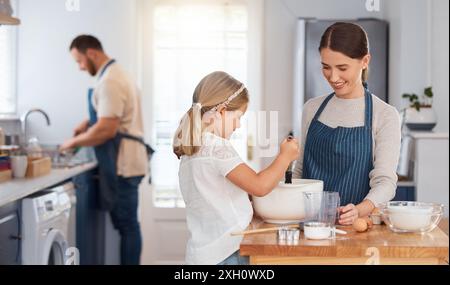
[
  {"x": 409, "y": 48},
  {"x": 439, "y": 61},
  {"x": 48, "y": 77},
  {"x": 419, "y": 52}
]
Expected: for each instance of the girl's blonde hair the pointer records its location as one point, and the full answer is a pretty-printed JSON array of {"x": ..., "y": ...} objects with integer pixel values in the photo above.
[{"x": 212, "y": 91}]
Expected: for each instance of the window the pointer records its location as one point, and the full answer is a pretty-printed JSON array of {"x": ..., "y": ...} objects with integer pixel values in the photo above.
[
  {"x": 191, "y": 41},
  {"x": 7, "y": 69}
]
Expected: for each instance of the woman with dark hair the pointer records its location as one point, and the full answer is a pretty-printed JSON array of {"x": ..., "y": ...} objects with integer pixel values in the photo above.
[{"x": 350, "y": 138}]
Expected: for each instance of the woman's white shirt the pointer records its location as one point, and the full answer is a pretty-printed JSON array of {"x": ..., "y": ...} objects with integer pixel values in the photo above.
[{"x": 215, "y": 207}]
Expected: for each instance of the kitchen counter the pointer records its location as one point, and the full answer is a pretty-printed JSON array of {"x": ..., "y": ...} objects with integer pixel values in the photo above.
[
  {"x": 353, "y": 248},
  {"x": 19, "y": 188}
]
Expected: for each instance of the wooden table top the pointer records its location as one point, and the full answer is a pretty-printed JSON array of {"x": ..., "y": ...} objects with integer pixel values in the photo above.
[{"x": 389, "y": 244}]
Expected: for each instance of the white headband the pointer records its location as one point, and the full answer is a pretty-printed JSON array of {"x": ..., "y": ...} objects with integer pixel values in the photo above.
[{"x": 231, "y": 98}]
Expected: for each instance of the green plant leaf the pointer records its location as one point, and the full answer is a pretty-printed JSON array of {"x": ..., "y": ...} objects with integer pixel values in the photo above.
[
  {"x": 429, "y": 92},
  {"x": 406, "y": 95},
  {"x": 417, "y": 106}
]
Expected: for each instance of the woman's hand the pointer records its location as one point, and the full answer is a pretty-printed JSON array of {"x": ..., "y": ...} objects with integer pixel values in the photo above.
[
  {"x": 290, "y": 149},
  {"x": 350, "y": 214}
]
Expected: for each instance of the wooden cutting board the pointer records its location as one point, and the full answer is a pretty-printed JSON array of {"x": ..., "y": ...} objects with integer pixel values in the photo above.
[
  {"x": 39, "y": 167},
  {"x": 5, "y": 175}
]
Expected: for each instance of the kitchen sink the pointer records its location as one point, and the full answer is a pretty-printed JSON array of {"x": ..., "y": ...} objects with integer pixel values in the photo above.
[{"x": 65, "y": 159}]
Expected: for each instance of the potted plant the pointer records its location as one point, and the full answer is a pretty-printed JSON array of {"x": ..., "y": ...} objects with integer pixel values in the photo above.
[{"x": 420, "y": 115}]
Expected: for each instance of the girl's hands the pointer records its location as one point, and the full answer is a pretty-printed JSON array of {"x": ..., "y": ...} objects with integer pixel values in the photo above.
[
  {"x": 262, "y": 183},
  {"x": 290, "y": 149},
  {"x": 350, "y": 214}
]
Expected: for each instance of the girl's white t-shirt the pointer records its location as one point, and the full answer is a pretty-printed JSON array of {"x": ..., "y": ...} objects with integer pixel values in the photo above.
[{"x": 215, "y": 207}]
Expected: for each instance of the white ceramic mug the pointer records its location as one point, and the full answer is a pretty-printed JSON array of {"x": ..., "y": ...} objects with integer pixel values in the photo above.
[{"x": 19, "y": 166}]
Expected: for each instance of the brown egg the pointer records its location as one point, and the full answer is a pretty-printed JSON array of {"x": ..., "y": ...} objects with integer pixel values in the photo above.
[
  {"x": 360, "y": 225},
  {"x": 369, "y": 222}
]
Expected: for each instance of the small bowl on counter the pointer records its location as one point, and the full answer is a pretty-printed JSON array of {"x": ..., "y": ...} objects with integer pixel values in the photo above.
[
  {"x": 375, "y": 216},
  {"x": 411, "y": 217}
]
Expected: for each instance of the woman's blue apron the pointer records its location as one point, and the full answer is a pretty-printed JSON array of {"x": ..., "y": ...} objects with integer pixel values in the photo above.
[
  {"x": 341, "y": 157},
  {"x": 107, "y": 154}
]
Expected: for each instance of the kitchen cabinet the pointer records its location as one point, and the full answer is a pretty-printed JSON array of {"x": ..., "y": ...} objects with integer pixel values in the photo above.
[
  {"x": 88, "y": 229},
  {"x": 12, "y": 192},
  {"x": 10, "y": 234},
  {"x": 431, "y": 167},
  {"x": 97, "y": 241}
]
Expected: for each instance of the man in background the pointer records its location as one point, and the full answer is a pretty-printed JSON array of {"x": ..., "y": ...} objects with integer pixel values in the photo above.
[{"x": 115, "y": 130}]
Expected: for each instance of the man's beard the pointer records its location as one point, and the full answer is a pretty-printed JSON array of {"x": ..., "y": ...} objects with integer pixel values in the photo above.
[{"x": 91, "y": 67}]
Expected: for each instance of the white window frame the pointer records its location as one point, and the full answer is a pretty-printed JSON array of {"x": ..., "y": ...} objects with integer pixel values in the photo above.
[{"x": 254, "y": 59}]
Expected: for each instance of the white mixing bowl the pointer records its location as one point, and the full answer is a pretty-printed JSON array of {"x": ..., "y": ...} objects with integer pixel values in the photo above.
[
  {"x": 411, "y": 217},
  {"x": 285, "y": 203}
]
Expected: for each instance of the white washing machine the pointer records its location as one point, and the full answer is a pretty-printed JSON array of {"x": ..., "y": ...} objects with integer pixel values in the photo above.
[
  {"x": 45, "y": 219},
  {"x": 64, "y": 191}
]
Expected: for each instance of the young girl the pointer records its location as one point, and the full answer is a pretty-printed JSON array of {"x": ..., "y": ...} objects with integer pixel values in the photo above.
[{"x": 214, "y": 180}]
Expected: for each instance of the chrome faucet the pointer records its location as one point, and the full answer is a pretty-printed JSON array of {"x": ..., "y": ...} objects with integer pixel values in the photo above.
[{"x": 24, "y": 119}]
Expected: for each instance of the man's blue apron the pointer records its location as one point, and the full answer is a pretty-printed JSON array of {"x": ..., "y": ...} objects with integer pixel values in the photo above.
[
  {"x": 107, "y": 154},
  {"x": 341, "y": 157}
]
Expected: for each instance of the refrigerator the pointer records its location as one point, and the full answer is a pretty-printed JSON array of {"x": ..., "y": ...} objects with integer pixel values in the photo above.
[{"x": 309, "y": 81}]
